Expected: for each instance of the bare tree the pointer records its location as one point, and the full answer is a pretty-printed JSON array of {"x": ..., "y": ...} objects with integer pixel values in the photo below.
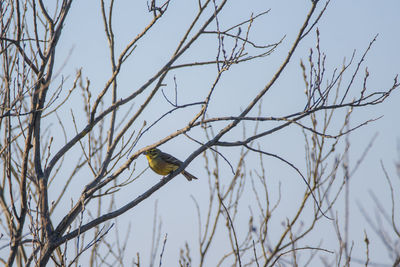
[
  {"x": 385, "y": 224},
  {"x": 108, "y": 139}
]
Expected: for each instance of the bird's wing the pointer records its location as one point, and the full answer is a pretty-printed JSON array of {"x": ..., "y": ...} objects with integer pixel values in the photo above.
[{"x": 170, "y": 159}]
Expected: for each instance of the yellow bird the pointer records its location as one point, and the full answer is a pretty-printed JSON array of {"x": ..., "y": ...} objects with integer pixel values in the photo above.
[{"x": 163, "y": 163}]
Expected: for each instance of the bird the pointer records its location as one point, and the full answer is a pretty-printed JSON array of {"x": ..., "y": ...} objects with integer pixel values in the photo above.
[{"x": 164, "y": 163}]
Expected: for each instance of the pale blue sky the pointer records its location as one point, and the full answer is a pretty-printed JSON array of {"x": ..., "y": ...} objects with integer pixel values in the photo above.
[{"x": 347, "y": 25}]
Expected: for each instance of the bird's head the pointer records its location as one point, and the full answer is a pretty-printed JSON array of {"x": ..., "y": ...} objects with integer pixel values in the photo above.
[{"x": 152, "y": 153}]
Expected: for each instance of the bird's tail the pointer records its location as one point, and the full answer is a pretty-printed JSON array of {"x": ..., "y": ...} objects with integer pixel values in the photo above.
[{"x": 189, "y": 176}]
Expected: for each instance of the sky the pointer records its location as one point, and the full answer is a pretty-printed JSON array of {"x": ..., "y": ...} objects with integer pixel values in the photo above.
[{"x": 345, "y": 27}]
